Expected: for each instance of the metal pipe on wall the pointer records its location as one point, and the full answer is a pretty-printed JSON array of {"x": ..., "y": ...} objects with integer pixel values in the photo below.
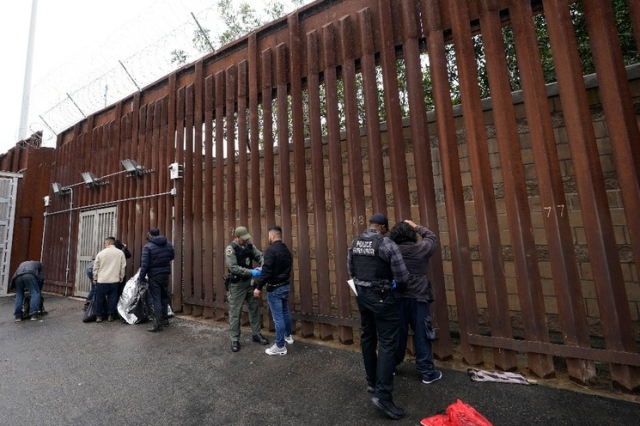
[
  {"x": 66, "y": 273},
  {"x": 108, "y": 203},
  {"x": 44, "y": 231}
]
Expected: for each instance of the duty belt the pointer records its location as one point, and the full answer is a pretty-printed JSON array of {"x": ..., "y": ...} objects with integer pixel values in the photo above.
[{"x": 383, "y": 284}]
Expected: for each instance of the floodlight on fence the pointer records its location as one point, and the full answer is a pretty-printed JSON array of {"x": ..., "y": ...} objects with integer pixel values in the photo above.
[
  {"x": 176, "y": 170},
  {"x": 91, "y": 181},
  {"x": 59, "y": 190},
  {"x": 133, "y": 169}
]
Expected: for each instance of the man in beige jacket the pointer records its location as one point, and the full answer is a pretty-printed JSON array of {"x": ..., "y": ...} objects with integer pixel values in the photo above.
[{"x": 108, "y": 271}]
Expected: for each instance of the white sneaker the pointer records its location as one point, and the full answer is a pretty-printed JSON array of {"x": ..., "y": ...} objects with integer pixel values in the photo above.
[
  {"x": 275, "y": 350},
  {"x": 288, "y": 339}
]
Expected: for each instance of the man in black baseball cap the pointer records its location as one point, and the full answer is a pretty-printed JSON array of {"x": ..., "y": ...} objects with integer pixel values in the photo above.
[
  {"x": 374, "y": 261},
  {"x": 380, "y": 219}
]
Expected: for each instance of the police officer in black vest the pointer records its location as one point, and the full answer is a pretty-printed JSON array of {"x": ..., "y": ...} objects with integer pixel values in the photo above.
[
  {"x": 377, "y": 268},
  {"x": 240, "y": 255}
]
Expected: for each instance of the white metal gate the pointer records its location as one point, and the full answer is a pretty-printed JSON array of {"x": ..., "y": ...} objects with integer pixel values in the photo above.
[
  {"x": 94, "y": 227},
  {"x": 8, "y": 190}
]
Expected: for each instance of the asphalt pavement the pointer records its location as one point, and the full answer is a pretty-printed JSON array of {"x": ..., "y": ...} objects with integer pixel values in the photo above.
[{"x": 61, "y": 371}]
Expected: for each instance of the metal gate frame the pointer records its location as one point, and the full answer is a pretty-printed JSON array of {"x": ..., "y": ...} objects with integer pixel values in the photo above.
[
  {"x": 95, "y": 222},
  {"x": 6, "y": 234}
]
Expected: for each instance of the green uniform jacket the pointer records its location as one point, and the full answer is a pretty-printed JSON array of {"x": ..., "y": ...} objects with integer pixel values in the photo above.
[{"x": 242, "y": 271}]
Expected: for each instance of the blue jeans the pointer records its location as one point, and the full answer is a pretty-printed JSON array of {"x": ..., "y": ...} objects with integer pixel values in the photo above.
[
  {"x": 111, "y": 291},
  {"x": 379, "y": 319},
  {"x": 92, "y": 291},
  {"x": 278, "y": 301},
  {"x": 22, "y": 282},
  {"x": 413, "y": 313}
]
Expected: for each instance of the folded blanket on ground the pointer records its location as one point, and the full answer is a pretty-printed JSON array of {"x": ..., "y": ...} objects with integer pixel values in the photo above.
[{"x": 477, "y": 375}]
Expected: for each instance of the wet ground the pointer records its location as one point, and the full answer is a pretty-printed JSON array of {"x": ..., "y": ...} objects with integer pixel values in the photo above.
[{"x": 60, "y": 371}]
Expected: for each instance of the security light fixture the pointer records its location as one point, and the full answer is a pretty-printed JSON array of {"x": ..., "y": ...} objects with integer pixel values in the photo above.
[
  {"x": 59, "y": 190},
  {"x": 91, "y": 181},
  {"x": 176, "y": 170},
  {"x": 133, "y": 169}
]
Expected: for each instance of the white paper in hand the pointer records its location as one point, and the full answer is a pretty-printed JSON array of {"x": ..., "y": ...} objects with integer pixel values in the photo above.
[{"x": 353, "y": 286}]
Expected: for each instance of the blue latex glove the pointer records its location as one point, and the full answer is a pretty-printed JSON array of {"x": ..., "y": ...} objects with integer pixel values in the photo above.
[
  {"x": 393, "y": 285},
  {"x": 256, "y": 273}
]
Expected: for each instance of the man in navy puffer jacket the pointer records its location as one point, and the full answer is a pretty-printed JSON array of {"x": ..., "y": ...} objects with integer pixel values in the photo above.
[{"x": 157, "y": 255}]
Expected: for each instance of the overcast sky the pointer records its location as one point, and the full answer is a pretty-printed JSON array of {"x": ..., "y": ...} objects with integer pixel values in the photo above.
[
  {"x": 68, "y": 32},
  {"x": 63, "y": 28}
]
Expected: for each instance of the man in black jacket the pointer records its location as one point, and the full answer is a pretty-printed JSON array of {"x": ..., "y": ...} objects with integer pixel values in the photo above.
[
  {"x": 275, "y": 274},
  {"x": 127, "y": 256},
  {"x": 30, "y": 274},
  {"x": 157, "y": 255}
]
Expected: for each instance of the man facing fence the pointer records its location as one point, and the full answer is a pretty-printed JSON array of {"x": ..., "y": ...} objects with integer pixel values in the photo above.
[
  {"x": 108, "y": 271},
  {"x": 374, "y": 261},
  {"x": 157, "y": 255},
  {"x": 275, "y": 274}
]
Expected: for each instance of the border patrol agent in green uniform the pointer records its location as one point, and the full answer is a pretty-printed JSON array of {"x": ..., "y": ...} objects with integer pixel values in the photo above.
[{"x": 240, "y": 255}]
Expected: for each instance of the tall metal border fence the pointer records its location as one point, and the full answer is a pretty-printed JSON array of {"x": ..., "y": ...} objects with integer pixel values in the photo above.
[{"x": 535, "y": 198}]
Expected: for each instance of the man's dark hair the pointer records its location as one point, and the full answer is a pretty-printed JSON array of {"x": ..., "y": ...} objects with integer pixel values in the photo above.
[
  {"x": 112, "y": 240},
  {"x": 276, "y": 230},
  {"x": 402, "y": 232}
]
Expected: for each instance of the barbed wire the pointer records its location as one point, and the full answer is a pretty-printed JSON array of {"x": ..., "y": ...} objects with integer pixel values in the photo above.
[{"x": 135, "y": 55}]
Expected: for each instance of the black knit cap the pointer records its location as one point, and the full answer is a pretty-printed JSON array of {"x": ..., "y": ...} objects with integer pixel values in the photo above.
[{"x": 154, "y": 232}]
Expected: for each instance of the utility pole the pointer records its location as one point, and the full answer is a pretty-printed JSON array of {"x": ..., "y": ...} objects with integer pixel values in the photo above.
[{"x": 26, "y": 90}]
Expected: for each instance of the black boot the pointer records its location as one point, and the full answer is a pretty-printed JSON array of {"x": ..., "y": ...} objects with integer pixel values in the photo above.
[{"x": 157, "y": 326}]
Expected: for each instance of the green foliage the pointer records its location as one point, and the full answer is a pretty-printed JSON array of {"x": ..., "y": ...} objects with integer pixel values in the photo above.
[
  {"x": 426, "y": 82},
  {"x": 630, "y": 52},
  {"x": 239, "y": 20},
  {"x": 242, "y": 18},
  {"x": 274, "y": 10},
  {"x": 178, "y": 57},
  {"x": 201, "y": 40},
  {"x": 625, "y": 35}
]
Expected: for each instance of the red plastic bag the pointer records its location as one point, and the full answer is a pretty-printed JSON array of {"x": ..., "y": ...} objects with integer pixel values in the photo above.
[
  {"x": 461, "y": 414},
  {"x": 437, "y": 420},
  {"x": 458, "y": 414}
]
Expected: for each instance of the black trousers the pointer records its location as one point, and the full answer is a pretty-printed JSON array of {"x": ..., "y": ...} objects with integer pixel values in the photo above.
[
  {"x": 380, "y": 321},
  {"x": 159, "y": 290}
]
